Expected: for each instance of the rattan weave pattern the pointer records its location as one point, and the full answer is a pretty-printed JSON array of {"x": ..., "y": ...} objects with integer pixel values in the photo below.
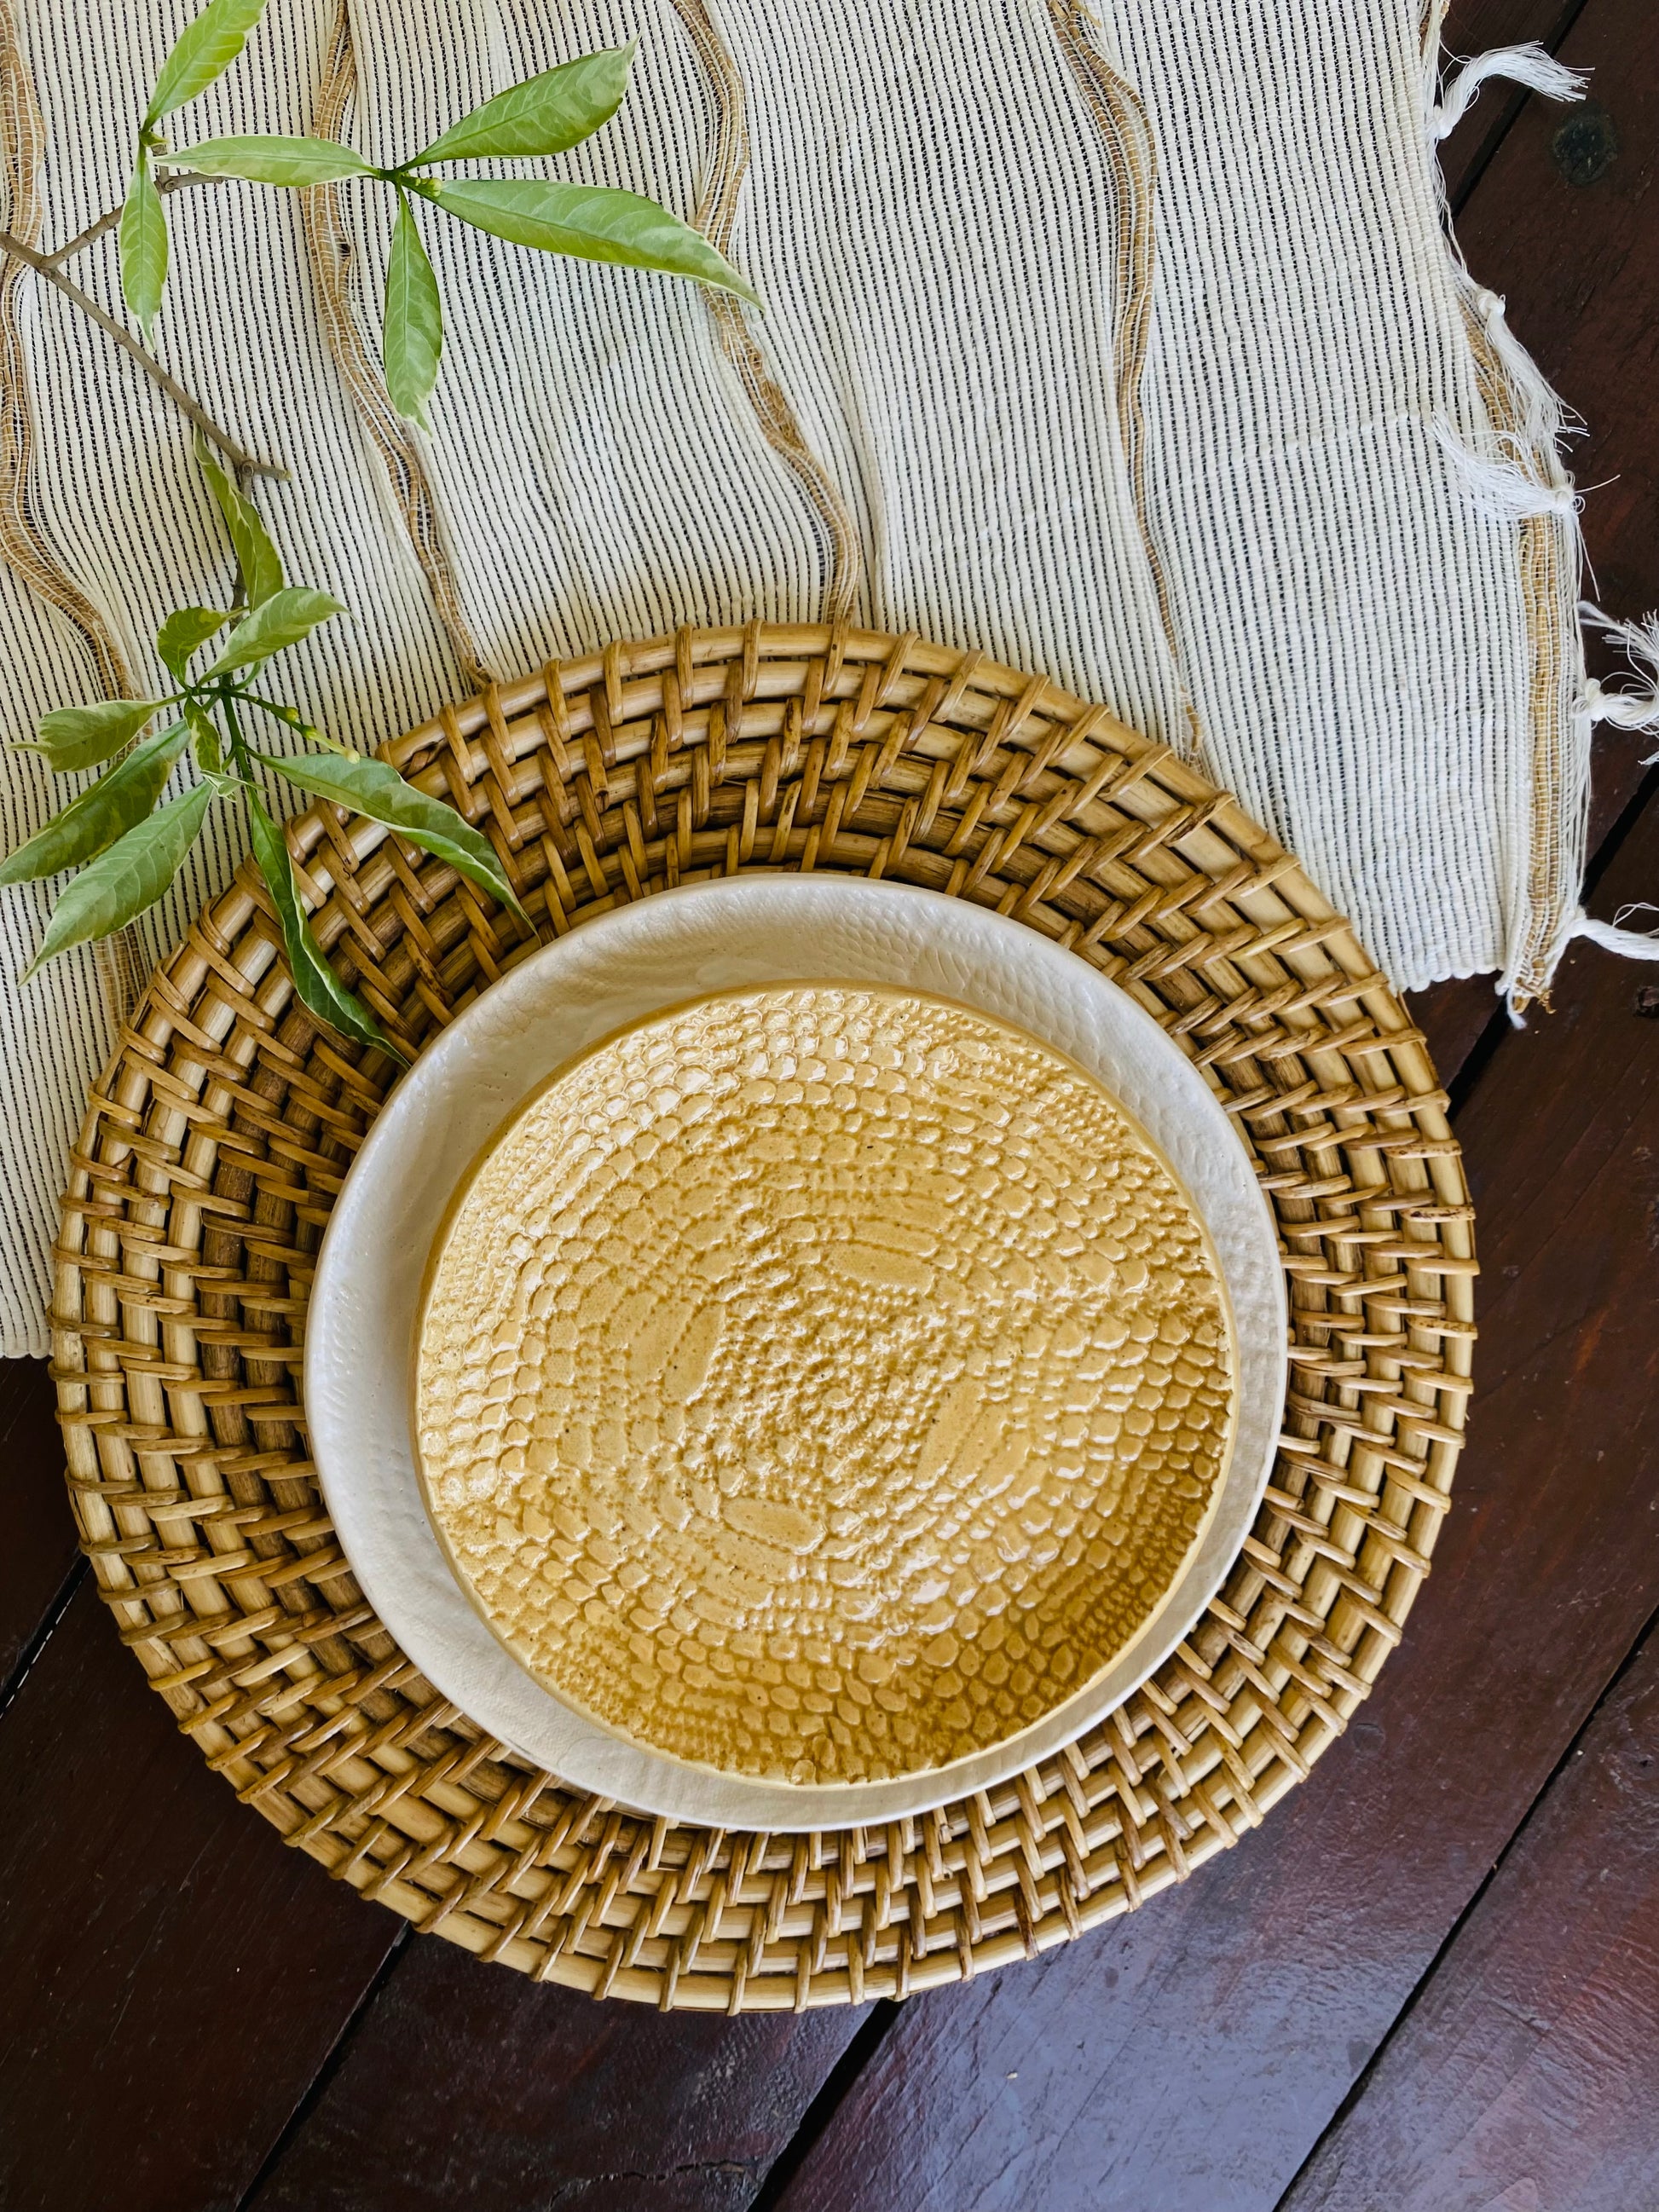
[{"x": 216, "y": 1145}]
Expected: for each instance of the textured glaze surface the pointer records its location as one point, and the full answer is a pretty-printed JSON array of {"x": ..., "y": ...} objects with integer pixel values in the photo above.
[
  {"x": 624, "y": 966},
  {"x": 820, "y": 1384}
]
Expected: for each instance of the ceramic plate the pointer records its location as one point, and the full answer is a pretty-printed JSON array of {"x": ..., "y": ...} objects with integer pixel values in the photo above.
[{"x": 919, "y": 1693}]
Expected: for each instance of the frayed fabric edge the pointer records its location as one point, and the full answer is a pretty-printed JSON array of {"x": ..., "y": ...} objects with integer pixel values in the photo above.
[
  {"x": 1498, "y": 482},
  {"x": 1630, "y": 706},
  {"x": 1633, "y": 706},
  {"x": 1519, "y": 478},
  {"x": 1611, "y": 936}
]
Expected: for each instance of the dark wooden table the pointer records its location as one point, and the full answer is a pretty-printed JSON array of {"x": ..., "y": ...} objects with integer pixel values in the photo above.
[{"x": 1430, "y": 1982}]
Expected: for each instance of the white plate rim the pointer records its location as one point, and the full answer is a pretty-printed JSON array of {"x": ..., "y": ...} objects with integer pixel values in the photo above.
[{"x": 365, "y": 1296}]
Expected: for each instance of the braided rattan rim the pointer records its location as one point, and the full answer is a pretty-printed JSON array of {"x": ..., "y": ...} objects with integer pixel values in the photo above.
[{"x": 215, "y": 1146}]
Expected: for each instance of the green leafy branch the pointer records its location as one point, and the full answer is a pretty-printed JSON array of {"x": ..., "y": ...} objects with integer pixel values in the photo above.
[
  {"x": 546, "y": 114},
  {"x": 126, "y": 837},
  {"x": 129, "y": 845}
]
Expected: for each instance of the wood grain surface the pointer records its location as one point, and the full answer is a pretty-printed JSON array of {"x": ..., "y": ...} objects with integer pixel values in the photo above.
[
  {"x": 173, "y": 1977},
  {"x": 40, "y": 1554},
  {"x": 195, "y": 2018},
  {"x": 468, "y": 2086},
  {"x": 1527, "y": 2075}
]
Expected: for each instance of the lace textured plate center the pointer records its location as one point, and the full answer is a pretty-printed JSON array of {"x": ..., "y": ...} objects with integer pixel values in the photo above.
[{"x": 821, "y": 1383}]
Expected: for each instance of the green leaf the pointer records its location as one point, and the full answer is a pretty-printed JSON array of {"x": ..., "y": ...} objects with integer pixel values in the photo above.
[
  {"x": 143, "y": 246},
  {"x": 545, "y": 114},
  {"x": 204, "y": 736},
  {"x": 413, "y": 335},
  {"x": 320, "y": 990},
  {"x": 202, "y": 49},
  {"x": 90, "y": 823},
  {"x": 256, "y": 556},
  {"x": 74, "y": 738},
  {"x": 594, "y": 223},
  {"x": 272, "y": 161},
  {"x": 281, "y": 620},
  {"x": 186, "y": 630},
  {"x": 374, "y": 787},
  {"x": 131, "y": 876}
]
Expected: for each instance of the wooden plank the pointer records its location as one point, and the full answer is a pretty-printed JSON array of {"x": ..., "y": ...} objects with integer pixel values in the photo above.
[
  {"x": 175, "y": 1976},
  {"x": 188, "y": 1977},
  {"x": 1527, "y": 2074},
  {"x": 470, "y": 2084},
  {"x": 40, "y": 1552},
  {"x": 1191, "y": 2055}
]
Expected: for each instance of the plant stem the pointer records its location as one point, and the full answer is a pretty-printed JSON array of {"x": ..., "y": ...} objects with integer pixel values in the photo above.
[
  {"x": 286, "y": 716},
  {"x": 171, "y": 183},
  {"x": 42, "y": 262},
  {"x": 238, "y": 743}
]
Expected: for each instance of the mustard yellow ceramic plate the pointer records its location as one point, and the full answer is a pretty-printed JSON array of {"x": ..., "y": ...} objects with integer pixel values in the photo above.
[
  {"x": 849, "y": 1354},
  {"x": 818, "y": 1383}
]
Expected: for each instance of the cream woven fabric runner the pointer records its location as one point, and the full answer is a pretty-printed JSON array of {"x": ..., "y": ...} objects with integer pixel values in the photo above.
[{"x": 1131, "y": 349}]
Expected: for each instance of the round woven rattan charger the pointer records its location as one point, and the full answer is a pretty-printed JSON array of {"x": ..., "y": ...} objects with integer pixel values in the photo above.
[{"x": 217, "y": 1141}]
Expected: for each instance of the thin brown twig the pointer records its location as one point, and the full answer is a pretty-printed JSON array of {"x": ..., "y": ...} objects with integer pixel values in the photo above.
[
  {"x": 10, "y": 243},
  {"x": 174, "y": 181}
]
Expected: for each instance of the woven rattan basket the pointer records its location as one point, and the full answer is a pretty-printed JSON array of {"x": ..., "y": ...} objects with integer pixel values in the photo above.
[{"x": 215, "y": 1146}]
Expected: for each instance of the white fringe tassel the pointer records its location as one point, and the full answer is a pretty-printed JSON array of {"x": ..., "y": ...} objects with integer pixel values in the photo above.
[
  {"x": 1546, "y": 419},
  {"x": 1498, "y": 484},
  {"x": 1634, "y": 706},
  {"x": 1633, "y": 944},
  {"x": 1528, "y": 64},
  {"x": 1612, "y": 936}
]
